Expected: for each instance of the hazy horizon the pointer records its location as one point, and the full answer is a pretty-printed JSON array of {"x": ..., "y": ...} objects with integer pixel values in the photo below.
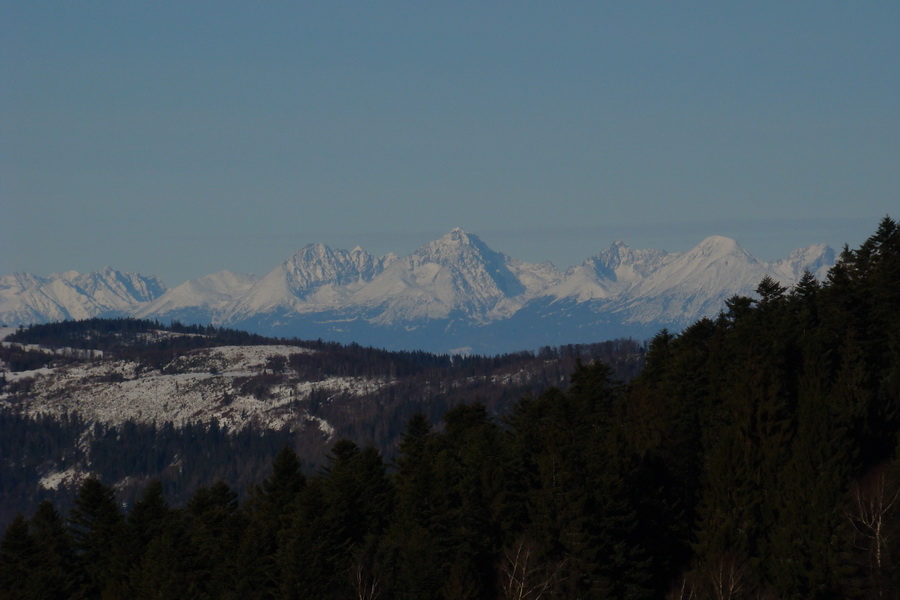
[{"x": 181, "y": 139}]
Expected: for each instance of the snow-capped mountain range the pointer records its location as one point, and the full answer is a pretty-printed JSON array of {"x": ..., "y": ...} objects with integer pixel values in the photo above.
[
  {"x": 453, "y": 294},
  {"x": 26, "y": 298}
]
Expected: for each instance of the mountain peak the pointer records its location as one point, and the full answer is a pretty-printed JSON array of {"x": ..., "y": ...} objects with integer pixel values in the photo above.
[
  {"x": 817, "y": 259},
  {"x": 718, "y": 241},
  {"x": 619, "y": 262},
  {"x": 453, "y": 284},
  {"x": 717, "y": 246},
  {"x": 315, "y": 265},
  {"x": 459, "y": 236},
  {"x": 454, "y": 245},
  {"x": 310, "y": 251},
  {"x": 457, "y": 273}
]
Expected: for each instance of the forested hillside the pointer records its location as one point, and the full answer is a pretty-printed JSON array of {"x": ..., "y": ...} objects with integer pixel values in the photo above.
[
  {"x": 755, "y": 456},
  {"x": 132, "y": 400}
]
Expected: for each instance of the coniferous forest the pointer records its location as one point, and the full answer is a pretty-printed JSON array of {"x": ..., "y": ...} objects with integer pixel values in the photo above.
[{"x": 755, "y": 456}]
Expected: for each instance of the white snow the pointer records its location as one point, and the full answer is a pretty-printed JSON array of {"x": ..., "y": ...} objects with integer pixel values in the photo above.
[
  {"x": 212, "y": 292},
  {"x": 71, "y": 478},
  {"x": 28, "y": 299},
  {"x": 207, "y": 387},
  {"x": 316, "y": 277},
  {"x": 456, "y": 275},
  {"x": 650, "y": 285}
]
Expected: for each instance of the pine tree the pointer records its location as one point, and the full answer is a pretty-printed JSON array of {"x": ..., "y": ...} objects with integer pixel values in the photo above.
[
  {"x": 269, "y": 510},
  {"x": 98, "y": 533},
  {"x": 214, "y": 523},
  {"x": 306, "y": 553},
  {"x": 54, "y": 576},
  {"x": 149, "y": 518},
  {"x": 470, "y": 470},
  {"x": 410, "y": 547},
  {"x": 341, "y": 514},
  {"x": 18, "y": 560}
]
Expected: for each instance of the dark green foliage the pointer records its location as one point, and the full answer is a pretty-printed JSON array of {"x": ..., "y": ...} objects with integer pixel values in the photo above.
[
  {"x": 37, "y": 559},
  {"x": 412, "y": 544},
  {"x": 214, "y": 523},
  {"x": 339, "y": 516},
  {"x": 186, "y": 456},
  {"x": 269, "y": 509},
  {"x": 583, "y": 494},
  {"x": 18, "y": 559},
  {"x": 54, "y": 577},
  {"x": 754, "y": 457},
  {"x": 98, "y": 534}
]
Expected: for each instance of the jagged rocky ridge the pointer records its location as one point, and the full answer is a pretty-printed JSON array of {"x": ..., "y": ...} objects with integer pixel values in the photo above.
[{"x": 454, "y": 294}]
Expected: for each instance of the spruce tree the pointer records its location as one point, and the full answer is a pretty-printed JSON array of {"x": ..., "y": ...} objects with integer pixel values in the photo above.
[
  {"x": 410, "y": 545},
  {"x": 18, "y": 560},
  {"x": 98, "y": 532},
  {"x": 214, "y": 524},
  {"x": 269, "y": 511},
  {"x": 54, "y": 576}
]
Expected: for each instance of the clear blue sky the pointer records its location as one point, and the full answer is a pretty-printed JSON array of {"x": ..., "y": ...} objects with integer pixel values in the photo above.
[{"x": 181, "y": 138}]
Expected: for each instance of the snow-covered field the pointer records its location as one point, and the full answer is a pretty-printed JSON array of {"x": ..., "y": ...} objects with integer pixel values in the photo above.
[{"x": 198, "y": 386}]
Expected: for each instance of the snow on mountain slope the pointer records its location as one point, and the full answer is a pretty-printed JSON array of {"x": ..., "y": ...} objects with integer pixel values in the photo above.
[
  {"x": 695, "y": 284},
  {"x": 23, "y": 301},
  {"x": 315, "y": 277},
  {"x": 455, "y": 290},
  {"x": 817, "y": 259},
  {"x": 624, "y": 265},
  {"x": 210, "y": 293},
  {"x": 645, "y": 286},
  {"x": 26, "y": 298},
  {"x": 455, "y": 275},
  {"x": 584, "y": 283},
  {"x": 200, "y": 386},
  {"x": 715, "y": 263},
  {"x": 115, "y": 288},
  {"x": 620, "y": 271}
]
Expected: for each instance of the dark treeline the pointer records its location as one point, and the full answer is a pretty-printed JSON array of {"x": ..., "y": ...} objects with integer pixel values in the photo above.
[
  {"x": 125, "y": 333},
  {"x": 755, "y": 456},
  {"x": 182, "y": 458},
  {"x": 153, "y": 345},
  {"x": 774, "y": 432},
  {"x": 146, "y": 341},
  {"x": 185, "y": 456}
]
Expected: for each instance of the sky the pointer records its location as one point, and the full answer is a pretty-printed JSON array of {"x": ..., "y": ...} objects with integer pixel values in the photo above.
[{"x": 178, "y": 139}]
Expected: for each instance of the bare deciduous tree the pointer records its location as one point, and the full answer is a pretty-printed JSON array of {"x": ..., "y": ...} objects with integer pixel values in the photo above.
[
  {"x": 728, "y": 578},
  {"x": 685, "y": 589},
  {"x": 365, "y": 576},
  {"x": 523, "y": 576},
  {"x": 873, "y": 512}
]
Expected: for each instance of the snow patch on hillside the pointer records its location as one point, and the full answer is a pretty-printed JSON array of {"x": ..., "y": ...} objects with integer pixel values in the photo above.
[
  {"x": 70, "y": 478},
  {"x": 209, "y": 385}
]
